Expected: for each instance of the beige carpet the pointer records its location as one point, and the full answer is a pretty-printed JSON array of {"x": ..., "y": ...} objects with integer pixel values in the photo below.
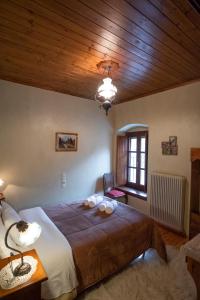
[{"x": 148, "y": 279}]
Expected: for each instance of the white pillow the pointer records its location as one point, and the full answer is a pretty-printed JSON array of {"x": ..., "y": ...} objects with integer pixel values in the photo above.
[{"x": 10, "y": 216}]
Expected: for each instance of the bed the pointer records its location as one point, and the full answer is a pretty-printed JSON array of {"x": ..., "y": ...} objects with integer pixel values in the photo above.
[
  {"x": 80, "y": 246},
  {"x": 103, "y": 244}
]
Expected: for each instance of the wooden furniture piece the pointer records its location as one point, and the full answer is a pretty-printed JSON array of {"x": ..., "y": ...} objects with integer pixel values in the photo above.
[
  {"x": 192, "y": 252},
  {"x": 31, "y": 289},
  {"x": 194, "y": 224},
  {"x": 194, "y": 269},
  {"x": 110, "y": 190},
  {"x": 195, "y": 193}
]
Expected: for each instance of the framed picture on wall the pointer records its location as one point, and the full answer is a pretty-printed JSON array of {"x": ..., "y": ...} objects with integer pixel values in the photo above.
[
  {"x": 66, "y": 141},
  {"x": 165, "y": 148},
  {"x": 173, "y": 140},
  {"x": 170, "y": 147}
]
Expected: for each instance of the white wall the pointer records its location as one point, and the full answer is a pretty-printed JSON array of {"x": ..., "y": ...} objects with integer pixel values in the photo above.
[
  {"x": 29, "y": 118},
  {"x": 172, "y": 113}
]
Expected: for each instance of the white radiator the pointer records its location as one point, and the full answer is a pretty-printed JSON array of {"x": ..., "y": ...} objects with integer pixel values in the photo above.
[{"x": 167, "y": 199}]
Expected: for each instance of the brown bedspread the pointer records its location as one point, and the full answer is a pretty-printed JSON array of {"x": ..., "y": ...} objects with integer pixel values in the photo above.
[{"x": 103, "y": 244}]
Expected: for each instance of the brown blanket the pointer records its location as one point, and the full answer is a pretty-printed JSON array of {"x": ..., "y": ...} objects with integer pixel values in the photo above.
[{"x": 103, "y": 244}]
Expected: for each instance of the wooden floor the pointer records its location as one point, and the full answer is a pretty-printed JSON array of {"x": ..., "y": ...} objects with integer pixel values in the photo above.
[{"x": 171, "y": 238}]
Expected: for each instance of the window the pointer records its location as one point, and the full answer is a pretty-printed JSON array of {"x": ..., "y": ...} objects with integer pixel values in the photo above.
[{"x": 137, "y": 160}]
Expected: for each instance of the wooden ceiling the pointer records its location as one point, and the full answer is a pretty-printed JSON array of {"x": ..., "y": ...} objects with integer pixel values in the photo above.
[{"x": 56, "y": 44}]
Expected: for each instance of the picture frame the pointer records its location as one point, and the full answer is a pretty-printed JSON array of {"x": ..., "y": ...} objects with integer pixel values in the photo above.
[
  {"x": 165, "y": 148},
  {"x": 173, "y": 140},
  {"x": 66, "y": 141},
  {"x": 174, "y": 150},
  {"x": 170, "y": 147}
]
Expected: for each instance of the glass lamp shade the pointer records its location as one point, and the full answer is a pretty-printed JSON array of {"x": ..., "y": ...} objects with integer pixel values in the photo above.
[
  {"x": 107, "y": 90},
  {"x": 30, "y": 235},
  {"x": 2, "y": 185}
]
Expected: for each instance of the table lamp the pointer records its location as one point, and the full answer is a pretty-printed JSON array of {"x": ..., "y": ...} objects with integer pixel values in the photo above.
[{"x": 28, "y": 234}]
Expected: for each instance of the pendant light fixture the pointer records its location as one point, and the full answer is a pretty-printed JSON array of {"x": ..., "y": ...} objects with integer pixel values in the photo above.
[{"x": 106, "y": 91}]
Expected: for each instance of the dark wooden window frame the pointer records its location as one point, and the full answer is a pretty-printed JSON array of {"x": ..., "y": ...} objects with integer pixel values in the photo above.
[{"x": 138, "y": 135}]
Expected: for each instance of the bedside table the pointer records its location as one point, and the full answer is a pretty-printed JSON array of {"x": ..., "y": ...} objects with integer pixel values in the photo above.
[{"x": 30, "y": 290}]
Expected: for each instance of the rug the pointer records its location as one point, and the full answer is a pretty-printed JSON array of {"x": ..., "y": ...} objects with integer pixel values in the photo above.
[{"x": 148, "y": 279}]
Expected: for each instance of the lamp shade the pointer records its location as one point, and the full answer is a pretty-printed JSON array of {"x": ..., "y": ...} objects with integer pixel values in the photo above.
[
  {"x": 2, "y": 185},
  {"x": 30, "y": 235},
  {"x": 107, "y": 90}
]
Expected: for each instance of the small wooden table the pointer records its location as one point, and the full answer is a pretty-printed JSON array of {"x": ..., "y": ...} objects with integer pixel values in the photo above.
[{"x": 31, "y": 289}]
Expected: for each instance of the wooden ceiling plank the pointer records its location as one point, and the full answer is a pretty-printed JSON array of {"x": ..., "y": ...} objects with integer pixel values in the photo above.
[
  {"x": 69, "y": 79},
  {"x": 153, "y": 92},
  {"x": 50, "y": 81},
  {"x": 164, "y": 22},
  {"x": 55, "y": 45},
  {"x": 56, "y": 69},
  {"x": 44, "y": 63},
  {"x": 106, "y": 43},
  {"x": 59, "y": 67},
  {"x": 38, "y": 47},
  {"x": 15, "y": 77},
  {"x": 14, "y": 40},
  {"x": 34, "y": 36},
  {"x": 166, "y": 26},
  {"x": 186, "y": 8},
  {"x": 45, "y": 76},
  {"x": 171, "y": 11},
  {"x": 32, "y": 66},
  {"x": 38, "y": 81},
  {"x": 167, "y": 46},
  {"x": 61, "y": 84},
  {"x": 167, "y": 55},
  {"x": 111, "y": 40}
]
